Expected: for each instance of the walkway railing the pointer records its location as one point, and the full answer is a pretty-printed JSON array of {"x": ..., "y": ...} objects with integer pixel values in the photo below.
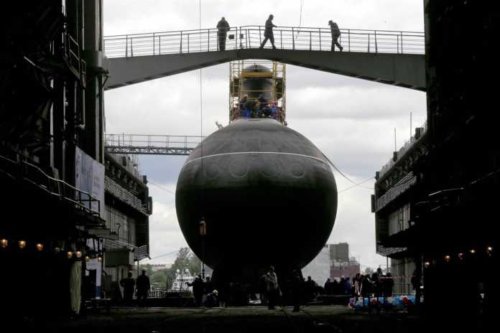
[
  {"x": 124, "y": 195},
  {"x": 250, "y": 37},
  {"x": 53, "y": 186},
  {"x": 403, "y": 150},
  {"x": 151, "y": 144}
]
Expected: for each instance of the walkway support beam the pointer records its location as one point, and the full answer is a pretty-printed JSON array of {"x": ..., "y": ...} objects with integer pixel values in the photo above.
[{"x": 404, "y": 70}]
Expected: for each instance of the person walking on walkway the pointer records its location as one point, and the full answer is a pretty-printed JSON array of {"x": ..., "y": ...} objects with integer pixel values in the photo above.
[
  {"x": 222, "y": 29},
  {"x": 268, "y": 32},
  {"x": 335, "y": 35}
]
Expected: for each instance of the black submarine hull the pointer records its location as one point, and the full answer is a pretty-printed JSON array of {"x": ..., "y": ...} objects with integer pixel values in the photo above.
[{"x": 266, "y": 193}]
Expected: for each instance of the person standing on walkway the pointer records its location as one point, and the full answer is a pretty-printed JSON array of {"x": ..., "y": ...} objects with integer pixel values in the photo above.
[
  {"x": 222, "y": 29},
  {"x": 335, "y": 35},
  {"x": 268, "y": 32}
]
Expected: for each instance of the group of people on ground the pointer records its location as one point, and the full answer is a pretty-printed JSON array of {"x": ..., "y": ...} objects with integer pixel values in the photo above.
[
  {"x": 298, "y": 290},
  {"x": 204, "y": 292},
  {"x": 294, "y": 290},
  {"x": 256, "y": 108},
  {"x": 376, "y": 284},
  {"x": 223, "y": 27},
  {"x": 140, "y": 286}
]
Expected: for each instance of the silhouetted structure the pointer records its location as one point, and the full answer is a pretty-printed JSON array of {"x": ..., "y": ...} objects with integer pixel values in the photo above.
[{"x": 447, "y": 181}]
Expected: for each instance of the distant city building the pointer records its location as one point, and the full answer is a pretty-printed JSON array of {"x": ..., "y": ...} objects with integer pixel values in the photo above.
[
  {"x": 339, "y": 252},
  {"x": 332, "y": 262},
  {"x": 341, "y": 264},
  {"x": 340, "y": 269},
  {"x": 127, "y": 206}
]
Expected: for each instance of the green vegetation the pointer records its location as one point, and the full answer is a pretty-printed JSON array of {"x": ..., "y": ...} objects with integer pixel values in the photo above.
[{"x": 164, "y": 278}]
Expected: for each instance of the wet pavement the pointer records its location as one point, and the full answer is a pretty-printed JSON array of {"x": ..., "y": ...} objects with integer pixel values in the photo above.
[{"x": 315, "y": 318}]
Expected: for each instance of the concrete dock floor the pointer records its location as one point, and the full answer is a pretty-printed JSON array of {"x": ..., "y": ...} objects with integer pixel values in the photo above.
[{"x": 317, "y": 318}]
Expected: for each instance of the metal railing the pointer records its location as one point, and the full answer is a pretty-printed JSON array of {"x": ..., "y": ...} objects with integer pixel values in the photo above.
[
  {"x": 53, "y": 186},
  {"x": 157, "y": 293},
  {"x": 151, "y": 144},
  {"x": 250, "y": 37},
  {"x": 124, "y": 195},
  {"x": 73, "y": 53},
  {"x": 403, "y": 150}
]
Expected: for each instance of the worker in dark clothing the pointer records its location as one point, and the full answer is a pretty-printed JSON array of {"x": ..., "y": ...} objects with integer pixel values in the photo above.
[
  {"x": 128, "y": 285},
  {"x": 297, "y": 287},
  {"x": 142, "y": 288},
  {"x": 222, "y": 29},
  {"x": 335, "y": 35},
  {"x": 268, "y": 32},
  {"x": 272, "y": 288},
  {"x": 198, "y": 289}
]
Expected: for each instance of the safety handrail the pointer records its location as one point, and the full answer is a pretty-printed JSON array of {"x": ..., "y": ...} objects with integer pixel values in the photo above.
[
  {"x": 36, "y": 176},
  {"x": 402, "y": 151},
  {"x": 144, "y": 140},
  {"x": 250, "y": 37},
  {"x": 124, "y": 195}
]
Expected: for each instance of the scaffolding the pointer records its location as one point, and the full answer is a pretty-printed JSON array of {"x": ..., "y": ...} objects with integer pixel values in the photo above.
[{"x": 272, "y": 78}]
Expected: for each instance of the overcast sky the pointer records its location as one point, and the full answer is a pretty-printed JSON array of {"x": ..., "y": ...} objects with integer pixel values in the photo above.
[{"x": 351, "y": 120}]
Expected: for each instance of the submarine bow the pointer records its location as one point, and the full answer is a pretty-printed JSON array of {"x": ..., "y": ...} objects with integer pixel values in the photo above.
[{"x": 266, "y": 193}]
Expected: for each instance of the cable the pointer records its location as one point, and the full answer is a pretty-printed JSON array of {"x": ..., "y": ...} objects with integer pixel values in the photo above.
[
  {"x": 161, "y": 187},
  {"x": 201, "y": 81},
  {"x": 343, "y": 175},
  {"x": 164, "y": 254},
  {"x": 357, "y": 184},
  {"x": 202, "y": 190},
  {"x": 300, "y": 17},
  {"x": 201, "y": 105},
  {"x": 338, "y": 170},
  {"x": 199, "y": 11},
  {"x": 201, "y": 85}
]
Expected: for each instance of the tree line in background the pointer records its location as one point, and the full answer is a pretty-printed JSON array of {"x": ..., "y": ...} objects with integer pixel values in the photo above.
[
  {"x": 186, "y": 259},
  {"x": 164, "y": 278}
]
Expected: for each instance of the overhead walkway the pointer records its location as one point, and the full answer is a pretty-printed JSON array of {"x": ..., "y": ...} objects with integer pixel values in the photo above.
[
  {"x": 392, "y": 57},
  {"x": 151, "y": 144}
]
